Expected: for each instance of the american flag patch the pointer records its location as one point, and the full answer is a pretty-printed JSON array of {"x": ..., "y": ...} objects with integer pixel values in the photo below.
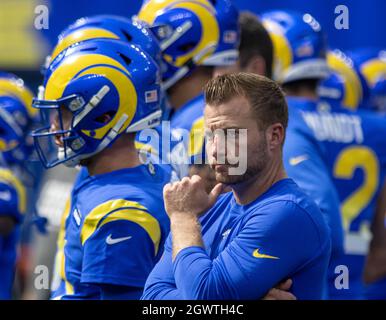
[
  {"x": 151, "y": 96},
  {"x": 230, "y": 36},
  {"x": 305, "y": 50}
]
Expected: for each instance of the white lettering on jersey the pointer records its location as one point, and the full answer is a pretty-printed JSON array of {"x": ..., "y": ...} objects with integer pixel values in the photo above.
[{"x": 334, "y": 127}]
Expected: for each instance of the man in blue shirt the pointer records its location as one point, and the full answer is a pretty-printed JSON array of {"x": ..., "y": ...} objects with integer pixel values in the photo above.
[
  {"x": 299, "y": 65},
  {"x": 264, "y": 231},
  {"x": 116, "y": 226}
]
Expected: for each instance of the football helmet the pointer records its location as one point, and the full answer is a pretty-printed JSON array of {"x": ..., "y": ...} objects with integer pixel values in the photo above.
[
  {"x": 188, "y": 31},
  {"x": 94, "y": 92},
  {"x": 299, "y": 46},
  {"x": 16, "y": 118},
  {"x": 371, "y": 64},
  {"x": 227, "y": 51},
  {"x": 132, "y": 31},
  {"x": 344, "y": 86},
  {"x": 356, "y": 79}
]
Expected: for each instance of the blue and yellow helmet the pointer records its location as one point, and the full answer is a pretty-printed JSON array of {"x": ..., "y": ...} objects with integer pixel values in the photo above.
[
  {"x": 371, "y": 65},
  {"x": 357, "y": 79},
  {"x": 188, "y": 31},
  {"x": 227, "y": 51},
  {"x": 91, "y": 80},
  {"x": 344, "y": 86},
  {"x": 299, "y": 46},
  {"x": 16, "y": 118},
  {"x": 131, "y": 31}
]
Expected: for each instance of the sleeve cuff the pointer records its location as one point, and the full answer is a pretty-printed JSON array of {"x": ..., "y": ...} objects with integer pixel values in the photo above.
[{"x": 186, "y": 252}]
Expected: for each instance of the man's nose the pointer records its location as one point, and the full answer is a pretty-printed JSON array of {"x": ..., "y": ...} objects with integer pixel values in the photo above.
[
  {"x": 54, "y": 123},
  {"x": 218, "y": 147},
  {"x": 213, "y": 148}
]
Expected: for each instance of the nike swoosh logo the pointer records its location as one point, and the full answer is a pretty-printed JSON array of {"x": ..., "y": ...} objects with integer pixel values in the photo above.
[
  {"x": 110, "y": 240},
  {"x": 257, "y": 254},
  {"x": 294, "y": 161}
]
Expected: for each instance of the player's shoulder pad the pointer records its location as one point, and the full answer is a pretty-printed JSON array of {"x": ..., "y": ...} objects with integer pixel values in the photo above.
[{"x": 121, "y": 209}]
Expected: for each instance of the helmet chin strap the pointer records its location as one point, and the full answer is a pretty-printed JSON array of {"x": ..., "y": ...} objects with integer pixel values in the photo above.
[
  {"x": 189, "y": 65},
  {"x": 75, "y": 159}
]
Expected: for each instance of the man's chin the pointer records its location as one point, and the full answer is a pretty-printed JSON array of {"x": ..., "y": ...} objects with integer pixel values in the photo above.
[{"x": 227, "y": 179}]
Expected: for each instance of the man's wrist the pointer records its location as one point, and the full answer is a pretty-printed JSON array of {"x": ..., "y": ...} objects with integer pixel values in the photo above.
[
  {"x": 183, "y": 217},
  {"x": 186, "y": 232}
]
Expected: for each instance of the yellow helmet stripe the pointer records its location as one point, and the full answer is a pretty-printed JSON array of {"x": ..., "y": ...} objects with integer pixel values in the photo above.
[
  {"x": 282, "y": 51},
  {"x": 20, "y": 92},
  {"x": 8, "y": 177},
  {"x": 210, "y": 33},
  {"x": 81, "y": 35},
  {"x": 196, "y": 139},
  {"x": 127, "y": 98},
  {"x": 96, "y": 64},
  {"x": 352, "y": 85},
  {"x": 150, "y": 10},
  {"x": 373, "y": 69},
  {"x": 206, "y": 14}
]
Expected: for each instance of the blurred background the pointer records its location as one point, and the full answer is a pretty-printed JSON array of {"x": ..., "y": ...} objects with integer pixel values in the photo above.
[
  {"x": 26, "y": 37},
  {"x": 23, "y": 47}
]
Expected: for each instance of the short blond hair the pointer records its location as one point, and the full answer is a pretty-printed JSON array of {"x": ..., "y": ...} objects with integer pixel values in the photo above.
[{"x": 265, "y": 96}]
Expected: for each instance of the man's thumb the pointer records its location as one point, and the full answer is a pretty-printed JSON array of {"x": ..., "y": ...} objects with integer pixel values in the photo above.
[{"x": 216, "y": 191}]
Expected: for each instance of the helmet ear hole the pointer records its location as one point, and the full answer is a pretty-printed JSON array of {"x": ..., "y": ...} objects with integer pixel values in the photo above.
[
  {"x": 128, "y": 37},
  {"x": 105, "y": 118},
  {"x": 125, "y": 58},
  {"x": 186, "y": 47}
]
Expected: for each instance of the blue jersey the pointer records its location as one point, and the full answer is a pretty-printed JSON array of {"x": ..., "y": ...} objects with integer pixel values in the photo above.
[
  {"x": 356, "y": 155},
  {"x": 249, "y": 250},
  {"x": 13, "y": 201},
  {"x": 114, "y": 232},
  {"x": 376, "y": 290},
  {"x": 58, "y": 284},
  {"x": 305, "y": 162}
]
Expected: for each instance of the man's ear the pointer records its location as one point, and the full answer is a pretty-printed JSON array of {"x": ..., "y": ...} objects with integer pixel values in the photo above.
[
  {"x": 256, "y": 65},
  {"x": 275, "y": 136}
]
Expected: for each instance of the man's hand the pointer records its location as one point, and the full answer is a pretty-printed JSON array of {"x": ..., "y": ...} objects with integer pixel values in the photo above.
[
  {"x": 281, "y": 292},
  {"x": 188, "y": 197}
]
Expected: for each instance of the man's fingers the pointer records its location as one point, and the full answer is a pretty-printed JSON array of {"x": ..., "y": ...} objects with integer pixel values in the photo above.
[
  {"x": 167, "y": 187},
  {"x": 286, "y": 285},
  {"x": 185, "y": 181},
  {"x": 216, "y": 191},
  {"x": 276, "y": 294},
  {"x": 195, "y": 178}
]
